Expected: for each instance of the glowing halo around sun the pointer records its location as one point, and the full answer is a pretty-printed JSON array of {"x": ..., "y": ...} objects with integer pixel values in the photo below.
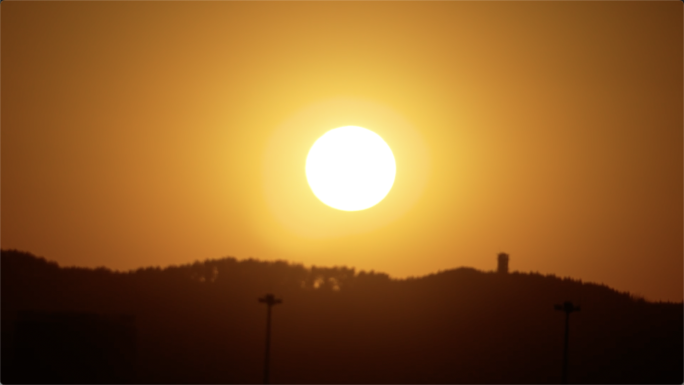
[
  {"x": 350, "y": 168},
  {"x": 292, "y": 211}
]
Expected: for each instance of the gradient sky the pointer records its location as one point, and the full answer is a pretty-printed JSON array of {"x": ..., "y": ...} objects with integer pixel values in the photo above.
[{"x": 158, "y": 133}]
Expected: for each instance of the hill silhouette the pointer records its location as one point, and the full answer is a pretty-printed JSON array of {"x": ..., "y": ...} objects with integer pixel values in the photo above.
[{"x": 202, "y": 323}]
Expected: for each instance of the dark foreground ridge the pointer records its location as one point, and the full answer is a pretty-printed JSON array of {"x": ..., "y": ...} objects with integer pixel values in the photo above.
[{"x": 202, "y": 323}]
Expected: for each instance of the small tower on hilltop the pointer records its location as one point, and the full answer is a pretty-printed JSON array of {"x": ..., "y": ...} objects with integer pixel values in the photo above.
[{"x": 503, "y": 263}]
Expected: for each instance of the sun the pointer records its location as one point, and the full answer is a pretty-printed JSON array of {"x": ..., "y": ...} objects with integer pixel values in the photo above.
[{"x": 350, "y": 168}]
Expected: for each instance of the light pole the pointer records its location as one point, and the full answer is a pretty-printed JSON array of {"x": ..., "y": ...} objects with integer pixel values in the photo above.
[
  {"x": 269, "y": 300},
  {"x": 568, "y": 308}
]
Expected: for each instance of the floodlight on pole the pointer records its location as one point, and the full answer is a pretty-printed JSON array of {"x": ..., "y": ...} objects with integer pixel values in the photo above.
[
  {"x": 568, "y": 308},
  {"x": 269, "y": 300}
]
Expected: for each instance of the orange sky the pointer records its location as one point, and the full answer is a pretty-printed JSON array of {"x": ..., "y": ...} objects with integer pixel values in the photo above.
[{"x": 157, "y": 133}]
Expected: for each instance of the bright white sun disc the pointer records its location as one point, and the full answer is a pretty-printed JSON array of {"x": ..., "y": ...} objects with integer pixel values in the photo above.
[{"x": 350, "y": 168}]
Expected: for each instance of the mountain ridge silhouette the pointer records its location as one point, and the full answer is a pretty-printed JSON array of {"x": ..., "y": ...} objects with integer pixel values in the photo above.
[{"x": 201, "y": 323}]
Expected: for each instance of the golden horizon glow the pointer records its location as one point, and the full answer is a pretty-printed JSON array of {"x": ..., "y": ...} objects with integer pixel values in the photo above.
[
  {"x": 350, "y": 168},
  {"x": 140, "y": 134}
]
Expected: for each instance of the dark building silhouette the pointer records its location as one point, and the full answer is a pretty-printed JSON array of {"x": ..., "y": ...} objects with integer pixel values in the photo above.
[
  {"x": 503, "y": 263},
  {"x": 69, "y": 347}
]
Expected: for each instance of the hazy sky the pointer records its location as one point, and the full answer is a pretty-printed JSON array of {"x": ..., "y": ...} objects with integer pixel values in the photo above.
[{"x": 158, "y": 133}]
